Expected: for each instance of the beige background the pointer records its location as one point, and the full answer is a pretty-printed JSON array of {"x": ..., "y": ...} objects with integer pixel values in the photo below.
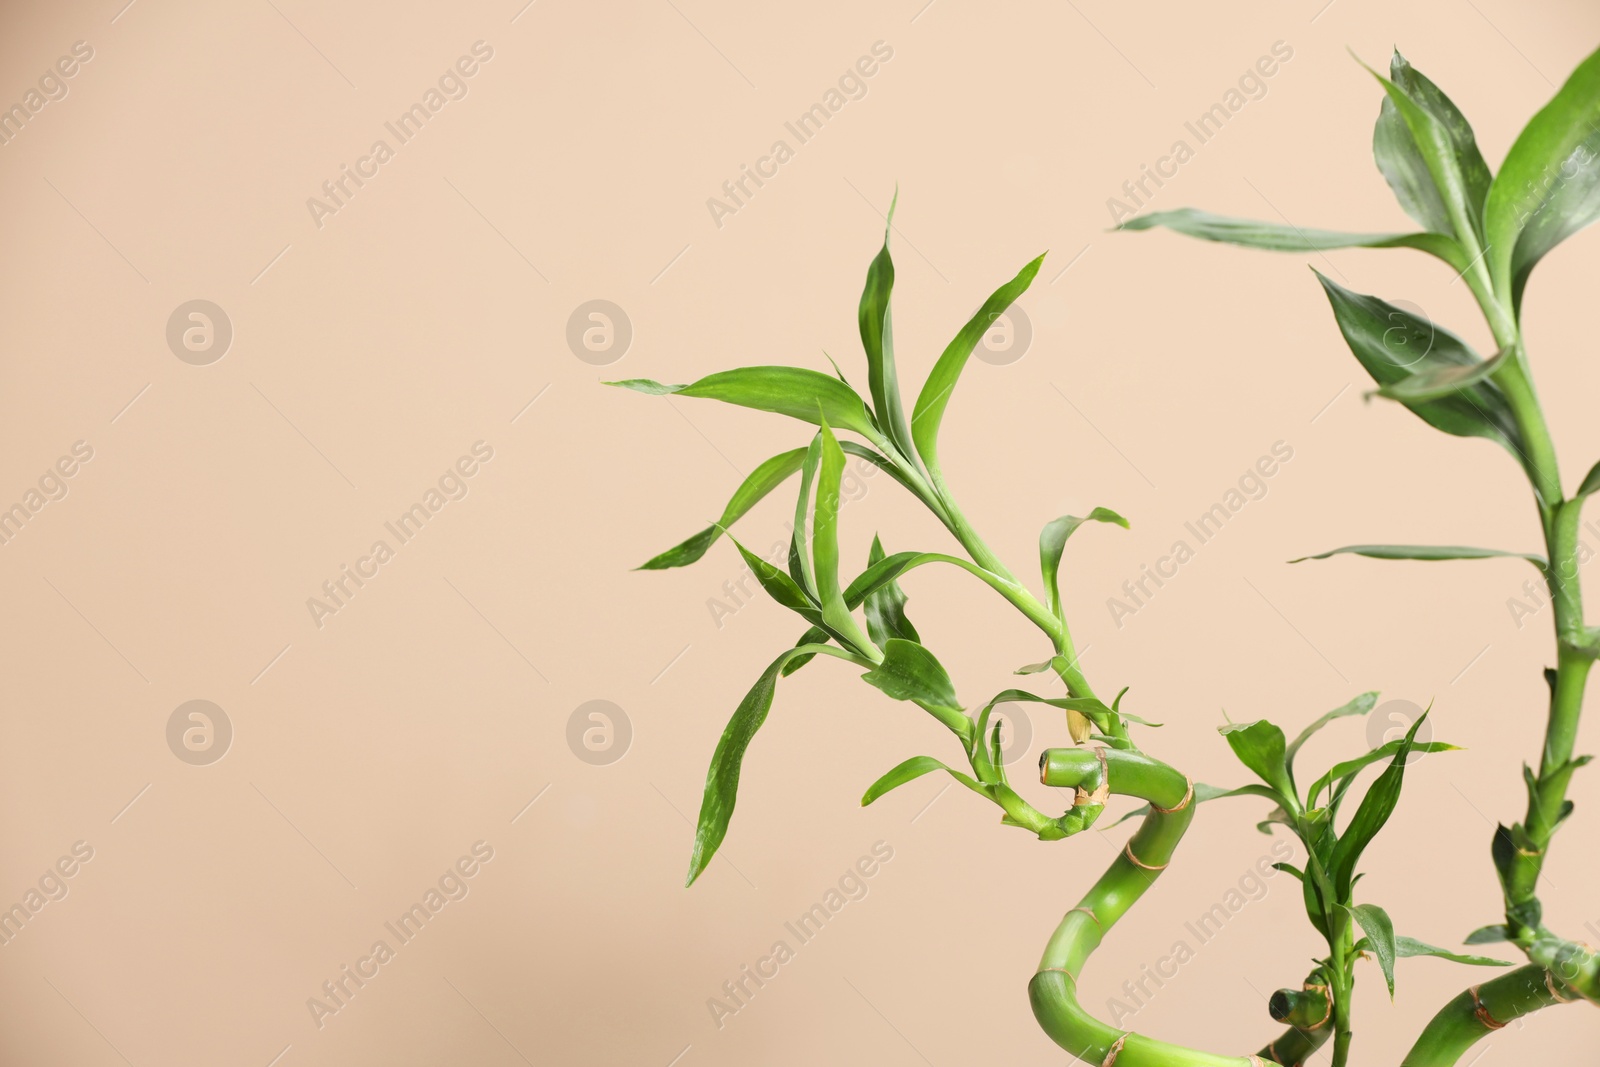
[{"x": 368, "y": 354}]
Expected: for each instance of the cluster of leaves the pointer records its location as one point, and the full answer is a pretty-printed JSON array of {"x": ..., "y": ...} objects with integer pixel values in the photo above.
[
  {"x": 883, "y": 640},
  {"x": 1330, "y": 875},
  {"x": 1492, "y": 230}
]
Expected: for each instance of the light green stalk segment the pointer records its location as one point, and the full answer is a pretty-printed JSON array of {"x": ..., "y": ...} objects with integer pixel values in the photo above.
[
  {"x": 1480, "y": 1011},
  {"x": 1054, "y": 988}
]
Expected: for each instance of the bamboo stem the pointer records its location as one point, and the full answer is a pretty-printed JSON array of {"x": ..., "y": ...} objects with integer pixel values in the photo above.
[
  {"x": 1479, "y": 1012},
  {"x": 1054, "y": 988}
]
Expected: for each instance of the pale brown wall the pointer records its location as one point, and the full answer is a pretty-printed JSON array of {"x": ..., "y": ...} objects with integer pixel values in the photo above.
[{"x": 426, "y": 714}]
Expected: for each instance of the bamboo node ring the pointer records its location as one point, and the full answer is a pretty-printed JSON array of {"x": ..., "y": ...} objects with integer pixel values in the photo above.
[
  {"x": 1327, "y": 1013},
  {"x": 1127, "y": 850},
  {"x": 1482, "y": 1013},
  {"x": 1555, "y": 990},
  {"x": 1188, "y": 797},
  {"x": 1111, "y": 1055}
]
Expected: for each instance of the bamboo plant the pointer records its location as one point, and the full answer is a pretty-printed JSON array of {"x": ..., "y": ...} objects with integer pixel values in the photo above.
[{"x": 1492, "y": 231}]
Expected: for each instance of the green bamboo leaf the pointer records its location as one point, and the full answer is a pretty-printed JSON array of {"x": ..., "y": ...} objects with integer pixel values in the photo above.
[
  {"x": 1204, "y": 793},
  {"x": 780, "y": 586},
  {"x": 911, "y": 672},
  {"x": 1316, "y": 890},
  {"x": 1276, "y": 237},
  {"x": 1489, "y": 935},
  {"x": 1425, "y": 553},
  {"x": 763, "y": 480},
  {"x": 1426, "y": 150},
  {"x": 800, "y": 567},
  {"x": 798, "y": 392},
  {"x": 1260, "y": 746},
  {"x": 935, "y": 395},
  {"x": 1289, "y": 868},
  {"x": 1053, "y": 540},
  {"x": 1359, "y": 706},
  {"x": 885, "y": 607},
  {"x": 1445, "y": 379},
  {"x": 816, "y": 635},
  {"x": 1393, "y": 345},
  {"x": 912, "y": 769},
  {"x": 825, "y": 547},
  {"x": 1376, "y": 807},
  {"x": 1591, "y": 482},
  {"x": 722, "y": 778},
  {"x": 1090, "y": 707},
  {"x": 1406, "y": 947},
  {"x": 1375, "y": 922},
  {"x": 1346, "y": 771},
  {"x": 1548, "y": 187},
  {"x": 877, "y": 338}
]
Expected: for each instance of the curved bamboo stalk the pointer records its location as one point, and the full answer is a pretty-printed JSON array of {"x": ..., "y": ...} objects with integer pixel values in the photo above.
[
  {"x": 1095, "y": 773},
  {"x": 1480, "y": 1011}
]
